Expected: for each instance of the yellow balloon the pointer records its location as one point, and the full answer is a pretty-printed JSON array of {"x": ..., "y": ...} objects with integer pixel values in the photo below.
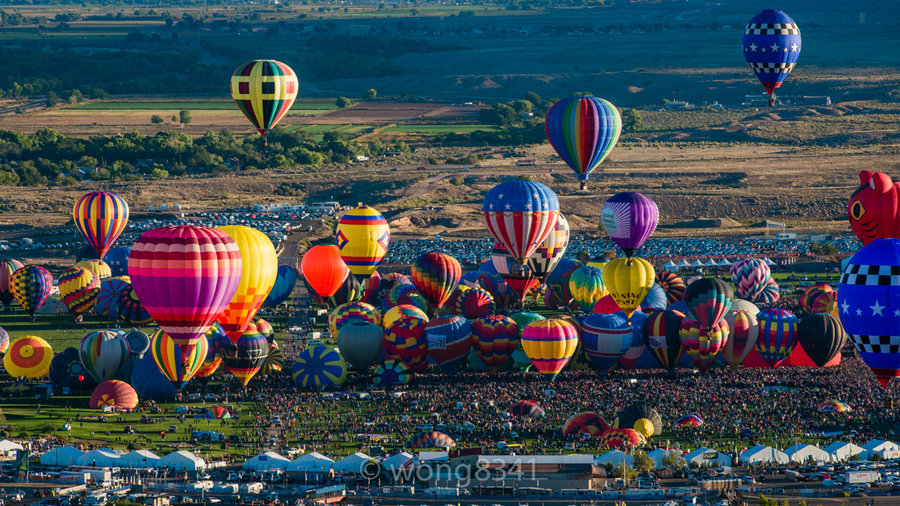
[
  {"x": 363, "y": 236},
  {"x": 644, "y": 426},
  {"x": 98, "y": 267},
  {"x": 28, "y": 356},
  {"x": 628, "y": 281},
  {"x": 402, "y": 311},
  {"x": 259, "y": 270}
]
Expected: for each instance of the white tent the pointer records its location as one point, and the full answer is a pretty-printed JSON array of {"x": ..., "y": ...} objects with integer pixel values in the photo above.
[
  {"x": 885, "y": 449},
  {"x": 840, "y": 450},
  {"x": 725, "y": 262},
  {"x": 614, "y": 457},
  {"x": 670, "y": 265},
  {"x": 101, "y": 458},
  {"x": 182, "y": 460},
  {"x": 768, "y": 261},
  {"x": 352, "y": 464},
  {"x": 697, "y": 263},
  {"x": 802, "y": 453},
  {"x": 712, "y": 263},
  {"x": 9, "y": 448},
  {"x": 760, "y": 454},
  {"x": 61, "y": 456},
  {"x": 313, "y": 462},
  {"x": 708, "y": 456},
  {"x": 265, "y": 461},
  {"x": 139, "y": 459},
  {"x": 658, "y": 455},
  {"x": 684, "y": 263},
  {"x": 400, "y": 461}
]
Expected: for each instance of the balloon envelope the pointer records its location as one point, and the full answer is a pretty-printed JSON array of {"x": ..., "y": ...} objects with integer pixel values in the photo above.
[
  {"x": 496, "y": 337},
  {"x": 361, "y": 343},
  {"x": 550, "y": 344},
  {"x": 284, "y": 285},
  {"x": 324, "y": 269},
  {"x": 7, "y": 267},
  {"x": 449, "y": 340},
  {"x": 583, "y": 131},
  {"x": 777, "y": 335},
  {"x": 771, "y": 47},
  {"x": 31, "y": 287},
  {"x": 28, "y": 356},
  {"x": 114, "y": 393},
  {"x": 319, "y": 366},
  {"x": 79, "y": 289},
  {"x": 103, "y": 353},
  {"x": 264, "y": 90},
  {"x": 259, "y": 268},
  {"x": 436, "y": 276},
  {"x": 629, "y": 218},
  {"x": 100, "y": 217},
  {"x": 520, "y": 215},
  {"x": 363, "y": 237}
]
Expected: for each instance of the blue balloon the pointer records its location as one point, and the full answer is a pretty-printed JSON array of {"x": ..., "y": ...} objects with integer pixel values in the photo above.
[
  {"x": 117, "y": 259},
  {"x": 655, "y": 299},
  {"x": 469, "y": 279},
  {"x": 149, "y": 382},
  {"x": 680, "y": 306},
  {"x": 605, "y": 337},
  {"x": 284, "y": 285},
  {"x": 771, "y": 47},
  {"x": 869, "y": 305}
]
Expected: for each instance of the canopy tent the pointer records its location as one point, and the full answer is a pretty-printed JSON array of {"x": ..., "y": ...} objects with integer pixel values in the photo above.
[
  {"x": 669, "y": 265},
  {"x": 802, "y": 453},
  {"x": 684, "y": 263},
  {"x": 62, "y": 456},
  {"x": 614, "y": 457},
  {"x": 312, "y": 462},
  {"x": 840, "y": 450},
  {"x": 182, "y": 460},
  {"x": 99, "y": 458},
  {"x": 697, "y": 263},
  {"x": 768, "y": 261},
  {"x": 352, "y": 464},
  {"x": 9, "y": 448},
  {"x": 265, "y": 461},
  {"x": 708, "y": 456},
  {"x": 712, "y": 263},
  {"x": 885, "y": 449},
  {"x": 400, "y": 461},
  {"x": 760, "y": 454},
  {"x": 725, "y": 262},
  {"x": 658, "y": 455},
  {"x": 139, "y": 459}
]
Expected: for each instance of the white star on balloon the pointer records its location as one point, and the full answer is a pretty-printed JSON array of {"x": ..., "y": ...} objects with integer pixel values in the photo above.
[
  {"x": 845, "y": 308},
  {"x": 794, "y": 48},
  {"x": 858, "y": 312},
  {"x": 876, "y": 309},
  {"x": 753, "y": 48},
  {"x": 491, "y": 207},
  {"x": 528, "y": 206},
  {"x": 897, "y": 312},
  {"x": 775, "y": 47},
  {"x": 508, "y": 206},
  {"x": 500, "y": 197}
]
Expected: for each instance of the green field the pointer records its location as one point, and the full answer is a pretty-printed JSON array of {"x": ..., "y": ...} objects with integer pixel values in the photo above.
[{"x": 439, "y": 129}]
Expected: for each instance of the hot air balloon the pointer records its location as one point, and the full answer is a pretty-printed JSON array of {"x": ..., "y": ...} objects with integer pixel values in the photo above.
[
  {"x": 550, "y": 344},
  {"x": 349, "y": 291},
  {"x": 431, "y": 440},
  {"x": 635, "y": 351},
  {"x": 526, "y": 409},
  {"x": 702, "y": 343},
  {"x": 264, "y": 90},
  {"x": 558, "y": 292},
  {"x": 661, "y": 335},
  {"x": 177, "y": 366},
  {"x": 216, "y": 342},
  {"x": 350, "y": 312},
  {"x": 518, "y": 277},
  {"x": 107, "y": 302},
  {"x": 810, "y": 293},
  {"x": 709, "y": 300},
  {"x": 474, "y": 303},
  {"x": 743, "y": 332},
  {"x": 585, "y": 422},
  {"x": 101, "y": 218},
  {"x": 363, "y": 237},
  {"x": 103, "y": 353},
  {"x": 28, "y": 356},
  {"x": 770, "y": 293},
  {"x": 138, "y": 342},
  {"x": 4, "y": 341},
  {"x": 274, "y": 362},
  {"x": 66, "y": 371},
  {"x": 777, "y": 335},
  {"x": 324, "y": 269},
  {"x": 628, "y": 281},
  {"x": 7, "y": 267},
  {"x": 833, "y": 406},
  {"x": 583, "y": 131},
  {"x": 622, "y": 438},
  {"x": 185, "y": 276},
  {"x": 392, "y": 372},
  {"x": 100, "y": 268},
  {"x": 449, "y": 340},
  {"x": 117, "y": 260},
  {"x": 605, "y": 338},
  {"x": 546, "y": 257},
  {"x": 672, "y": 284},
  {"x": 361, "y": 343},
  {"x": 284, "y": 285},
  {"x": 246, "y": 357},
  {"x": 263, "y": 327},
  {"x": 821, "y": 336},
  {"x": 403, "y": 294},
  {"x": 404, "y": 339},
  {"x": 149, "y": 382},
  {"x": 319, "y": 366},
  {"x": 370, "y": 288},
  {"x": 749, "y": 275},
  {"x": 587, "y": 287},
  {"x": 520, "y": 215},
  {"x": 640, "y": 417},
  {"x": 402, "y": 311},
  {"x": 259, "y": 268},
  {"x": 114, "y": 393},
  {"x": 130, "y": 309},
  {"x": 824, "y": 302},
  {"x": 771, "y": 47},
  {"x": 436, "y": 276},
  {"x": 495, "y": 337},
  {"x": 692, "y": 420},
  {"x": 31, "y": 286},
  {"x": 79, "y": 289},
  {"x": 873, "y": 208},
  {"x": 654, "y": 301},
  {"x": 629, "y": 218}
]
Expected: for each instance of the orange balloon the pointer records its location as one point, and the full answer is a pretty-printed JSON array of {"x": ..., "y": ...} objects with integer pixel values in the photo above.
[{"x": 324, "y": 269}]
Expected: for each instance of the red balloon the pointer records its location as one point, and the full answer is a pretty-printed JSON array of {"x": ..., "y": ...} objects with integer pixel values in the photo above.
[
  {"x": 607, "y": 305},
  {"x": 874, "y": 208},
  {"x": 324, "y": 269}
]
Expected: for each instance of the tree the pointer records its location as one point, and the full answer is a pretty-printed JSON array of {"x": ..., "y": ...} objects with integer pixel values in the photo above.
[
  {"x": 156, "y": 119},
  {"x": 370, "y": 94},
  {"x": 75, "y": 97},
  {"x": 643, "y": 463},
  {"x": 343, "y": 102},
  {"x": 184, "y": 117},
  {"x": 160, "y": 173},
  {"x": 534, "y": 98},
  {"x": 52, "y": 98},
  {"x": 673, "y": 461},
  {"x": 632, "y": 121}
]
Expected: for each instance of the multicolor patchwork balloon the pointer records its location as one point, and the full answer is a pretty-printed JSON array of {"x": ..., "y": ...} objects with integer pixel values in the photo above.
[
  {"x": 246, "y": 357},
  {"x": 79, "y": 289},
  {"x": 661, "y": 336},
  {"x": 743, "y": 332},
  {"x": 363, "y": 237},
  {"x": 583, "y": 131},
  {"x": 107, "y": 302},
  {"x": 185, "y": 276},
  {"x": 622, "y": 438},
  {"x": 520, "y": 215},
  {"x": 750, "y": 276},
  {"x": 402, "y": 311},
  {"x": 31, "y": 286},
  {"x": 319, "y": 366},
  {"x": 550, "y": 344},
  {"x": 449, "y": 340},
  {"x": 692, "y": 420},
  {"x": 259, "y": 268},
  {"x": 474, "y": 303},
  {"x": 771, "y": 46},
  {"x": 777, "y": 335},
  {"x": 264, "y": 90},
  {"x": 436, "y": 276},
  {"x": 672, "y": 284},
  {"x": 709, "y": 300},
  {"x": 770, "y": 294},
  {"x": 811, "y": 292},
  {"x": 350, "y": 312},
  {"x": 629, "y": 218},
  {"x": 7, "y": 267},
  {"x": 177, "y": 366},
  {"x": 605, "y": 338},
  {"x": 702, "y": 343},
  {"x": 29, "y": 357},
  {"x": 546, "y": 257},
  {"x": 496, "y": 337},
  {"x": 404, "y": 339},
  {"x": 274, "y": 362},
  {"x": 585, "y": 422},
  {"x": 101, "y": 218},
  {"x": 392, "y": 372},
  {"x": 103, "y": 353},
  {"x": 587, "y": 287}
]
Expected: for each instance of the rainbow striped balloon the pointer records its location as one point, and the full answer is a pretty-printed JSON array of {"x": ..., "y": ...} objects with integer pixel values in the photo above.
[
  {"x": 363, "y": 236},
  {"x": 583, "y": 130},
  {"x": 777, "y": 335},
  {"x": 103, "y": 353},
  {"x": 168, "y": 357},
  {"x": 703, "y": 344},
  {"x": 436, "y": 276},
  {"x": 352, "y": 311},
  {"x": 550, "y": 344},
  {"x": 101, "y": 218},
  {"x": 264, "y": 90}
]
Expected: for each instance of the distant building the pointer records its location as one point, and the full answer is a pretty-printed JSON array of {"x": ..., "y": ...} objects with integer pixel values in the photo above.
[{"x": 529, "y": 162}]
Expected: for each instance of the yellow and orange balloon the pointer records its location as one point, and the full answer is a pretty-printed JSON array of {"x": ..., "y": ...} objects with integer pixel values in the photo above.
[{"x": 258, "y": 272}]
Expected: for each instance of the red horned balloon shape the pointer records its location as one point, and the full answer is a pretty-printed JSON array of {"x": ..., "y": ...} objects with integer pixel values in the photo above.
[{"x": 874, "y": 208}]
